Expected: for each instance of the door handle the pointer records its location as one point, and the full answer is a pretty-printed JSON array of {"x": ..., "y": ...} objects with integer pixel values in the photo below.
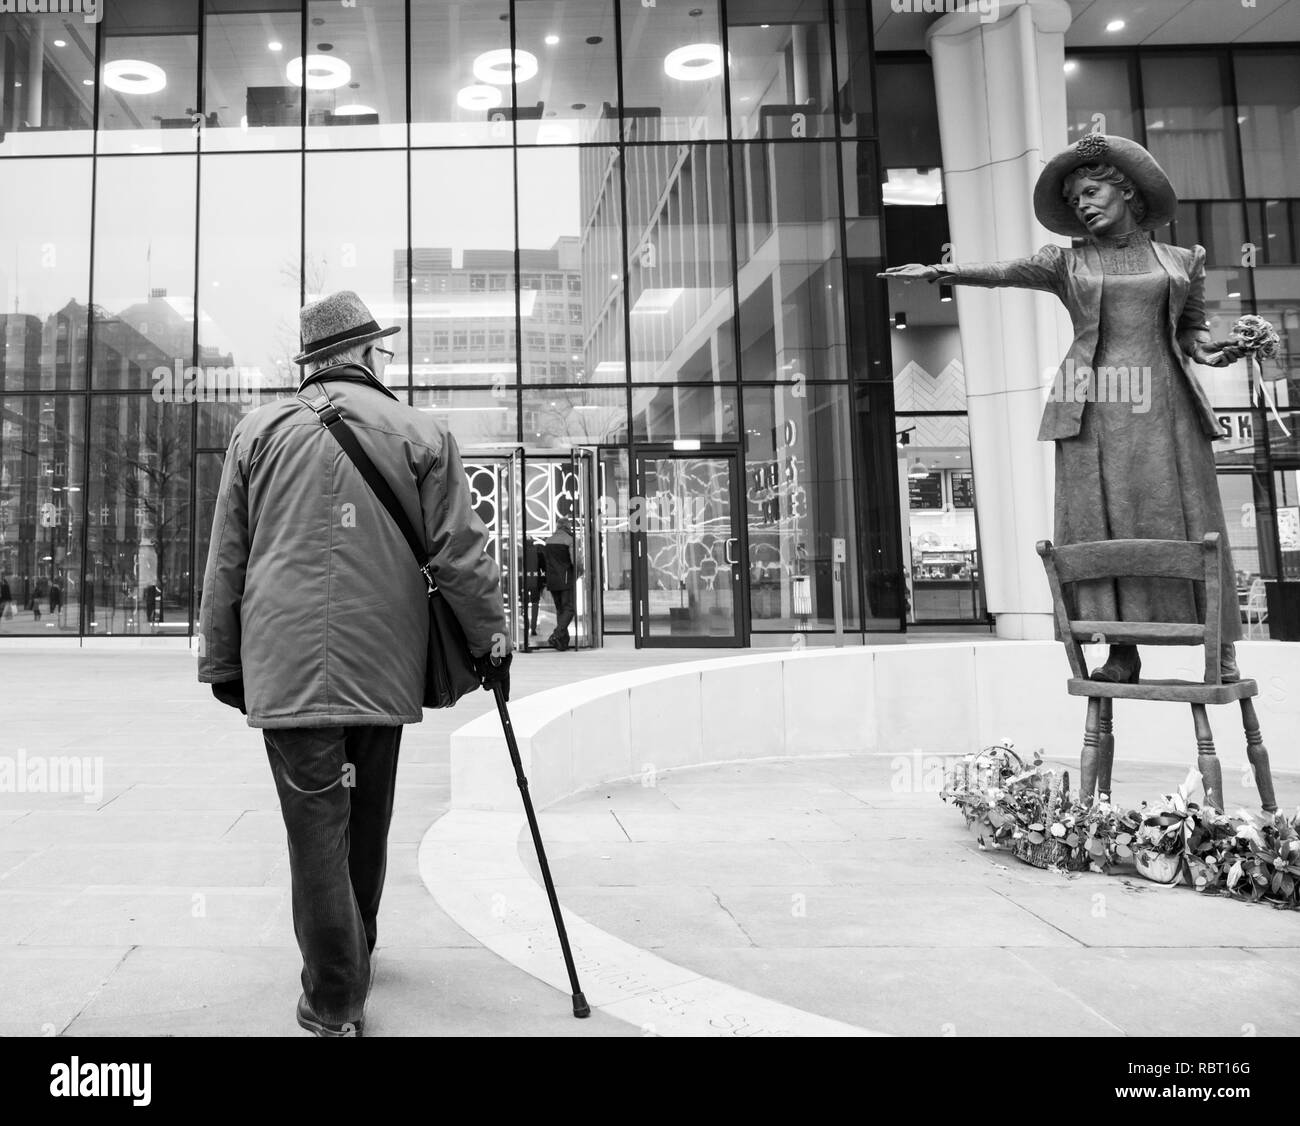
[{"x": 727, "y": 551}]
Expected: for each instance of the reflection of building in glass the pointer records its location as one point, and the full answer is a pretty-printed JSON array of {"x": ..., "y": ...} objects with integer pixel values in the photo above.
[{"x": 463, "y": 328}]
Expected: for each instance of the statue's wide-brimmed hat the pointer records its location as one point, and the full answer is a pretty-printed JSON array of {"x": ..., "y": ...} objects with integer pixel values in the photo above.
[
  {"x": 334, "y": 323},
  {"x": 1103, "y": 148}
]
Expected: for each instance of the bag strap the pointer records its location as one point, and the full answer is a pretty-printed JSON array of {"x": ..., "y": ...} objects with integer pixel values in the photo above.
[{"x": 331, "y": 418}]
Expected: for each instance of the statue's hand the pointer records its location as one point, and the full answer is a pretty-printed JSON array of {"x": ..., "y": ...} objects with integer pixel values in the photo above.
[
  {"x": 912, "y": 270},
  {"x": 1216, "y": 354}
]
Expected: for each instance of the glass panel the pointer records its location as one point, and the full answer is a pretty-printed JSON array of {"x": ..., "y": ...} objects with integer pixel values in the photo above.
[
  {"x": 217, "y": 421},
  {"x": 249, "y": 251},
  {"x": 575, "y": 416},
  {"x": 449, "y": 104},
  {"x": 884, "y": 568},
  {"x": 149, "y": 77},
  {"x": 567, "y": 81},
  {"x": 867, "y": 294},
  {"x": 665, "y": 414},
  {"x": 355, "y": 73},
  {"x": 925, "y": 344},
  {"x": 207, "y": 477},
  {"x": 1099, "y": 96},
  {"x": 1268, "y": 108},
  {"x": 1275, "y": 230},
  {"x": 42, "y": 472},
  {"x": 615, "y": 541},
  {"x": 853, "y": 66},
  {"x": 1219, "y": 227},
  {"x": 1286, "y": 486},
  {"x": 1237, "y": 494},
  {"x": 44, "y": 274},
  {"x": 679, "y": 245},
  {"x": 47, "y": 84},
  {"x": 137, "y": 565},
  {"x": 690, "y": 547},
  {"x": 1190, "y": 126},
  {"x": 144, "y": 270},
  {"x": 672, "y": 71},
  {"x": 476, "y": 418},
  {"x": 781, "y": 82},
  {"x": 250, "y": 100},
  {"x": 356, "y": 239},
  {"x": 571, "y": 263},
  {"x": 464, "y": 268},
  {"x": 940, "y": 540},
  {"x": 909, "y": 133},
  {"x": 792, "y": 285},
  {"x": 799, "y": 498},
  {"x": 1277, "y": 299}
]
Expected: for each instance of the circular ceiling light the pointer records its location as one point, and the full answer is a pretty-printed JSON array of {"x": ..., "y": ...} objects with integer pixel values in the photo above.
[
  {"x": 354, "y": 110},
  {"x": 324, "y": 72},
  {"x": 275, "y": 45},
  {"x": 60, "y": 42},
  {"x": 694, "y": 62},
  {"x": 552, "y": 40},
  {"x": 478, "y": 97},
  {"x": 496, "y": 66},
  {"x": 134, "y": 76}
]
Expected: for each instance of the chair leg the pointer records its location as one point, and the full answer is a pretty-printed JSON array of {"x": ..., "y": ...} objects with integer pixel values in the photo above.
[
  {"x": 1105, "y": 748},
  {"x": 1088, "y": 758},
  {"x": 1257, "y": 753},
  {"x": 1207, "y": 762}
]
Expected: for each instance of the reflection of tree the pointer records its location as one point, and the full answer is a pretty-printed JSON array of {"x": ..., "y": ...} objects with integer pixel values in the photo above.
[
  {"x": 142, "y": 478},
  {"x": 573, "y": 416}
]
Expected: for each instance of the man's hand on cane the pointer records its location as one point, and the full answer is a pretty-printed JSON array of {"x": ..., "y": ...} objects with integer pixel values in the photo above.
[{"x": 494, "y": 666}]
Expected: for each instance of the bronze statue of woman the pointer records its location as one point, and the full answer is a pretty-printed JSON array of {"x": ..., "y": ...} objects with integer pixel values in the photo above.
[{"x": 1132, "y": 425}]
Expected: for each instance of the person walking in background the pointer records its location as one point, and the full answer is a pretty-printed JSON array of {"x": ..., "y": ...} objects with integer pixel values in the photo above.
[
  {"x": 6, "y": 598},
  {"x": 560, "y": 581},
  {"x": 534, "y": 576},
  {"x": 314, "y": 622}
]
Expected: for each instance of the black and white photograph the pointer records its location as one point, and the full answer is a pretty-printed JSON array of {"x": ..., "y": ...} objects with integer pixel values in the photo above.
[{"x": 819, "y": 479}]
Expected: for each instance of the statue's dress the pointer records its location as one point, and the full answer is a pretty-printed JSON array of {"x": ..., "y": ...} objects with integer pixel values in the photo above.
[{"x": 1135, "y": 473}]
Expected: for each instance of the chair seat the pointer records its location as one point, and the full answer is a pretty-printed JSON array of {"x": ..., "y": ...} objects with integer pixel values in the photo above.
[{"x": 1177, "y": 691}]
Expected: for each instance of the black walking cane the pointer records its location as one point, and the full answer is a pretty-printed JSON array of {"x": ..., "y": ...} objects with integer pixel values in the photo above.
[{"x": 580, "y": 1006}]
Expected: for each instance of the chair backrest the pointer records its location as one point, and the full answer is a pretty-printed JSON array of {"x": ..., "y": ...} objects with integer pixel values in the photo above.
[
  {"x": 1257, "y": 599},
  {"x": 1151, "y": 559}
]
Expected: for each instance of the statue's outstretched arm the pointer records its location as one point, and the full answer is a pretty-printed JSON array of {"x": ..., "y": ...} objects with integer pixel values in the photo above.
[{"x": 1043, "y": 270}]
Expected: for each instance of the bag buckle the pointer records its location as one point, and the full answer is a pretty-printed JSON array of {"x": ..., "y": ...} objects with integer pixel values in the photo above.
[
  {"x": 329, "y": 415},
  {"x": 427, "y": 572}
]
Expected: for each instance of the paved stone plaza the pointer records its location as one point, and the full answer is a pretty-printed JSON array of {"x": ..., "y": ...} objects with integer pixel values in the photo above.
[{"x": 840, "y": 885}]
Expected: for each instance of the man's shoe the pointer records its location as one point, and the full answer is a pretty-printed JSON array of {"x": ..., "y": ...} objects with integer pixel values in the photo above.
[{"x": 312, "y": 1023}]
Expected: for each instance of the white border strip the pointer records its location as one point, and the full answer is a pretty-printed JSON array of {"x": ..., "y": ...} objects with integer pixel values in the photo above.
[{"x": 469, "y": 860}]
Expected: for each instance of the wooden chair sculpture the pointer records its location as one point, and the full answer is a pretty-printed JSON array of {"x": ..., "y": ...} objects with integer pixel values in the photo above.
[{"x": 1197, "y": 562}]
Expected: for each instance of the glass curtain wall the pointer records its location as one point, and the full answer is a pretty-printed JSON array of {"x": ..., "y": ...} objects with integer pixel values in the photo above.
[
  {"x": 649, "y": 229},
  {"x": 931, "y": 443},
  {"x": 1226, "y": 127}
]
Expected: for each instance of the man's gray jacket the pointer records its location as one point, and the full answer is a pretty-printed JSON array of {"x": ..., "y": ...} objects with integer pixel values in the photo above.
[{"x": 311, "y": 594}]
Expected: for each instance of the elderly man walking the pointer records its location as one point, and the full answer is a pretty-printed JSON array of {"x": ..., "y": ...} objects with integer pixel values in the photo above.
[{"x": 314, "y": 623}]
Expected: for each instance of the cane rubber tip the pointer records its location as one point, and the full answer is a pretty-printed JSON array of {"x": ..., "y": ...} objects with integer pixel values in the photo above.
[{"x": 580, "y": 1007}]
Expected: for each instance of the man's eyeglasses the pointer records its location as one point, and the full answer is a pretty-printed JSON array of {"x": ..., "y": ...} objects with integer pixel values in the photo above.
[{"x": 385, "y": 352}]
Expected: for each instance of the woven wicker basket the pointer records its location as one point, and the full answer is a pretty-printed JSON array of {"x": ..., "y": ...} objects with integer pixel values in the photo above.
[{"x": 1050, "y": 854}]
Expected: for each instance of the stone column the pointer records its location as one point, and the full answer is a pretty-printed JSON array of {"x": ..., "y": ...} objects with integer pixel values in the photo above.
[{"x": 1001, "y": 95}]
